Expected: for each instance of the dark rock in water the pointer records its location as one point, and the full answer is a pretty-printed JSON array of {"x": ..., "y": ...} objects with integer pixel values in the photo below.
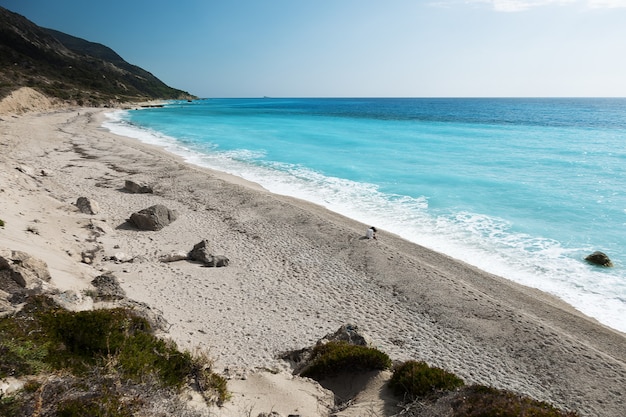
[
  {"x": 153, "y": 218},
  {"x": 599, "y": 258},
  {"x": 133, "y": 187}
]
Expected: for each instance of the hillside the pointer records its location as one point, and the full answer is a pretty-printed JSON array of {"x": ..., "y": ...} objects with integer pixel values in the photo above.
[{"x": 71, "y": 69}]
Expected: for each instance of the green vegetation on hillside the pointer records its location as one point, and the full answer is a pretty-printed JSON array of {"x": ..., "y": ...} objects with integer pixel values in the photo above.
[
  {"x": 69, "y": 68},
  {"x": 421, "y": 383},
  {"x": 97, "y": 362}
]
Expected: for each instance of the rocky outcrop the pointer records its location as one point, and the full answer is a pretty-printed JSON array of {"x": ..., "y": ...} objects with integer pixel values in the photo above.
[
  {"x": 20, "y": 275},
  {"x": 26, "y": 271},
  {"x": 134, "y": 188},
  {"x": 202, "y": 253},
  {"x": 153, "y": 218},
  {"x": 347, "y": 333},
  {"x": 599, "y": 258},
  {"x": 107, "y": 288},
  {"x": 87, "y": 205}
]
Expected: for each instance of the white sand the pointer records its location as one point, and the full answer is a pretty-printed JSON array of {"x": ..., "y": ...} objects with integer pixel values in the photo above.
[{"x": 296, "y": 273}]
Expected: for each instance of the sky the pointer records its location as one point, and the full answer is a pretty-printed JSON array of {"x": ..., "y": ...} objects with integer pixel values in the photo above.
[{"x": 358, "y": 48}]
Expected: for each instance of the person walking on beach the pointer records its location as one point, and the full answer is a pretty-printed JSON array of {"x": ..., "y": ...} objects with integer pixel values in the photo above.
[{"x": 371, "y": 233}]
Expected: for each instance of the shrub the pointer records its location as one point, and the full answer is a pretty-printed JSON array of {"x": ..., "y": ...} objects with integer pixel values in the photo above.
[
  {"x": 1, "y": 223},
  {"x": 143, "y": 355},
  {"x": 482, "y": 401},
  {"x": 44, "y": 337},
  {"x": 415, "y": 379},
  {"x": 335, "y": 357},
  {"x": 24, "y": 345}
]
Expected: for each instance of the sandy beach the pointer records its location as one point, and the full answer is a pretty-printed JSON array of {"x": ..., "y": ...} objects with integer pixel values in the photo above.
[{"x": 297, "y": 272}]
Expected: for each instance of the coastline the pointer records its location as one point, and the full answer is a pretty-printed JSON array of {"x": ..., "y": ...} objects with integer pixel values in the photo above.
[{"x": 297, "y": 271}]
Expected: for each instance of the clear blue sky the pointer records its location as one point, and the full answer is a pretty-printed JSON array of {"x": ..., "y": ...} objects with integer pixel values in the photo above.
[{"x": 357, "y": 48}]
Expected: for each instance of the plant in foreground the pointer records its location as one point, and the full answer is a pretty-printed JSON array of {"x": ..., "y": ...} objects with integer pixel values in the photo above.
[
  {"x": 415, "y": 379},
  {"x": 481, "y": 401},
  {"x": 335, "y": 357},
  {"x": 43, "y": 339}
]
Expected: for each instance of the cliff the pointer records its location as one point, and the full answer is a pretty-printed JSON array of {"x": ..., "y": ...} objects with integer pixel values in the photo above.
[{"x": 71, "y": 69}]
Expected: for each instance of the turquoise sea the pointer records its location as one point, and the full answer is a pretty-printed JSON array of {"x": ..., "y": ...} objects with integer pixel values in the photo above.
[{"x": 523, "y": 188}]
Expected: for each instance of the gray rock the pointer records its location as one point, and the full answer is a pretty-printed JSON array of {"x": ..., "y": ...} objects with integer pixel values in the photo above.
[
  {"x": 89, "y": 255},
  {"x": 348, "y": 333},
  {"x": 174, "y": 256},
  {"x": 153, "y": 218},
  {"x": 107, "y": 288},
  {"x": 599, "y": 258},
  {"x": 201, "y": 252},
  {"x": 87, "y": 206},
  {"x": 23, "y": 269},
  {"x": 133, "y": 187},
  {"x": 121, "y": 257},
  {"x": 218, "y": 261}
]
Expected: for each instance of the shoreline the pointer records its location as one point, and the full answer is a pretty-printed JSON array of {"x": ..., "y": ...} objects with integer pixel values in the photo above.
[
  {"x": 496, "y": 241},
  {"x": 297, "y": 270}
]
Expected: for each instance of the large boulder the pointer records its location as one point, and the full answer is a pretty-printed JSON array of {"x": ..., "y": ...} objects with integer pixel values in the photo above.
[
  {"x": 87, "y": 205},
  {"x": 201, "y": 252},
  {"x": 599, "y": 258},
  {"x": 134, "y": 188},
  {"x": 153, "y": 218},
  {"x": 24, "y": 270}
]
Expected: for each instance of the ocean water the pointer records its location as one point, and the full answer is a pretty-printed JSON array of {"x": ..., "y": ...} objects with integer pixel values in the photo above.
[{"x": 523, "y": 188}]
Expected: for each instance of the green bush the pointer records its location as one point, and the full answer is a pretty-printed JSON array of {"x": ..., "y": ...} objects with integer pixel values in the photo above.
[
  {"x": 335, "y": 357},
  {"x": 1, "y": 223},
  {"x": 414, "y": 379},
  {"x": 43, "y": 337},
  {"x": 24, "y": 344},
  {"x": 481, "y": 401},
  {"x": 143, "y": 355}
]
